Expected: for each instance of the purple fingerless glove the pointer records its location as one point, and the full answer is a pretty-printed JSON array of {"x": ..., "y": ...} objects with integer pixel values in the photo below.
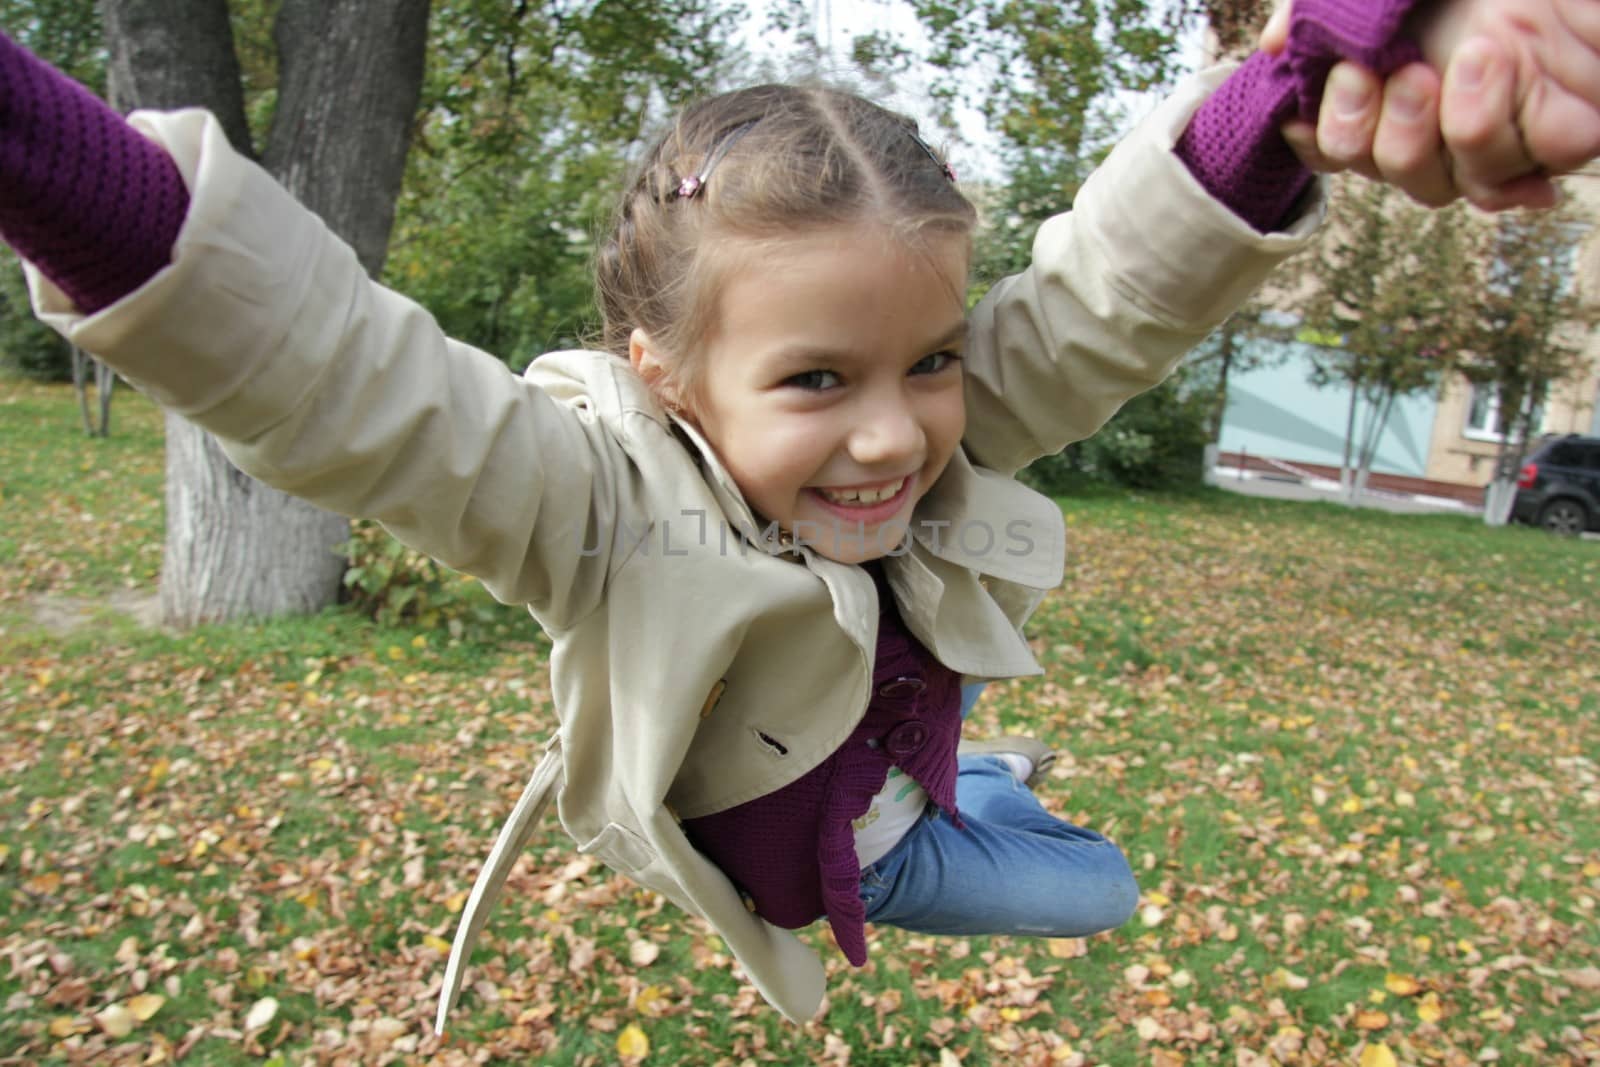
[
  {"x": 1233, "y": 145},
  {"x": 83, "y": 196}
]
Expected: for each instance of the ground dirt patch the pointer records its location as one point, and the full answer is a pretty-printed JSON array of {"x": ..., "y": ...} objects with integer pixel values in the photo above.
[{"x": 65, "y": 614}]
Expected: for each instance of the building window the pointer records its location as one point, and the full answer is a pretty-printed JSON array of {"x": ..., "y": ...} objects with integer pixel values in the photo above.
[{"x": 1484, "y": 421}]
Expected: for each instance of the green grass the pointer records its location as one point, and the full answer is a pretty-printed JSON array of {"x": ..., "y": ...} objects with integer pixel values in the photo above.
[{"x": 1352, "y": 756}]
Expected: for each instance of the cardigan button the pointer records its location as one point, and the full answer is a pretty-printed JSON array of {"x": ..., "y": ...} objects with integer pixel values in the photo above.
[
  {"x": 905, "y": 740},
  {"x": 902, "y": 688}
]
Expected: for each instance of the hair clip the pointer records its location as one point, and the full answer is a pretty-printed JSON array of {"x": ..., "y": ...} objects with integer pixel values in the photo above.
[
  {"x": 944, "y": 168},
  {"x": 691, "y": 186}
]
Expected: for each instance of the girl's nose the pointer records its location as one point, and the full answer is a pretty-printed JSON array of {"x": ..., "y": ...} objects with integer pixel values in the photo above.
[{"x": 887, "y": 433}]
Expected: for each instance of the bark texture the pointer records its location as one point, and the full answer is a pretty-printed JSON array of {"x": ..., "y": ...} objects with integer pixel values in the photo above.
[{"x": 350, "y": 73}]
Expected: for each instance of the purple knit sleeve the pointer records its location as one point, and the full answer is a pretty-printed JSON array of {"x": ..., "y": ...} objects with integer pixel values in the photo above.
[
  {"x": 83, "y": 196},
  {"x": 1233, "y": 145}
]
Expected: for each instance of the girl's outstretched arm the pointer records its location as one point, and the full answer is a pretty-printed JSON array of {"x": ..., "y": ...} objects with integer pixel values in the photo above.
[
  {"x": 157, "y": 247},
  {"x": 86, "y": 199}
]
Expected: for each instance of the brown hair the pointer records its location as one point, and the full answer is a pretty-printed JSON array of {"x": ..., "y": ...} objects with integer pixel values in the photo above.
[{"x": 782, "y": 159}]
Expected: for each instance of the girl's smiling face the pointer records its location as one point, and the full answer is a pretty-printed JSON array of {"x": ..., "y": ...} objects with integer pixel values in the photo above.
[{"x": 831, "y": 388}]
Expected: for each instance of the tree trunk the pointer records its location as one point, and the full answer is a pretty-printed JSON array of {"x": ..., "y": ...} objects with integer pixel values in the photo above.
[
  {"x": 350, "y": 72},
  {"x": 1345, "y": 479}
]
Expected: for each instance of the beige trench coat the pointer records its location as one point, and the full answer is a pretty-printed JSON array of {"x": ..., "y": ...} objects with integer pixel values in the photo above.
[{"x": 679, "y": 638}]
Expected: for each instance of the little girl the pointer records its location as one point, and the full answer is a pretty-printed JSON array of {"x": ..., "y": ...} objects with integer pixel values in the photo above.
[{"x": 771, "y": 526}]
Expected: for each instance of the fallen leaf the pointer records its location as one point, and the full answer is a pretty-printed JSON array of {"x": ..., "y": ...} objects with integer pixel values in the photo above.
[
  {"x": 145, "y": 1005},
  {"x": 1378, "y": 1056},
  {"x": 1429, "y": 1010},
  {"x": 116, "y": 1020},
  {"x": 643, "y": 952},
  {"x": 1584, "y": 977},
  {"x": 1068, "y": 948},
  {"x": 1371, "y": 1020},
  {"x": 261, "y": 1013},
  {"x": 1402, "y": 985},
  {"x": 632, "y": 1044}
]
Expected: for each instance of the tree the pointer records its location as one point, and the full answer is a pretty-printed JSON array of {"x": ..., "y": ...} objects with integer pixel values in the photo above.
[
  {"x": 348, "y": 78},
  {"x": 529, "y": 116},
  {"x": 1249, "y": 339},
  {"x": 1390, "y": 289},
  {"x": 1527, "y": 333}
]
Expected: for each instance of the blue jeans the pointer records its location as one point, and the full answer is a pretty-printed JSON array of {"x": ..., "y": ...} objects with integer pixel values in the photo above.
[{"x": 1014, "y": 869}]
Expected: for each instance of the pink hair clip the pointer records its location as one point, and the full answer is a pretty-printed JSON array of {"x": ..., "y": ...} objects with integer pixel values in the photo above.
[{"x": 691, "y": 186}]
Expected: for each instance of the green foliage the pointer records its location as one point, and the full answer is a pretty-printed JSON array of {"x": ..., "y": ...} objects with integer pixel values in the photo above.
[
  {"x": 1157, "y": 440},
  {"x": 64, "y": 33},
  {"x": 528, "y": 119},
  {"x": 27, "y": 346},
  {"x": 1531, "y": 321},
  {"x": 1394, "y": 283},
  {"x": 392, "y": 584}
]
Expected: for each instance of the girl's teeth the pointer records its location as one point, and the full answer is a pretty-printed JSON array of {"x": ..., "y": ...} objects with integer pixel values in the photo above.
[{"x": 864, "y": 496}]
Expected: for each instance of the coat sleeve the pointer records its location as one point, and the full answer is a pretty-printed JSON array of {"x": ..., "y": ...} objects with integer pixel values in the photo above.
[
  {"x": 266, "y": 331},
  {"x": 1142, "y": 268}
]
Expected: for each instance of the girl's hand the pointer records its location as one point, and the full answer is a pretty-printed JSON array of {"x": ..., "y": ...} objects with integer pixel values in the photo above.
[{"x": 1519, "y": 101}]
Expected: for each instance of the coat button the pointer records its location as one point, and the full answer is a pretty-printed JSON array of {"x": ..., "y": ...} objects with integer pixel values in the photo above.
[
  {"x": 902, "y": 688},
  {"x": 905, "y": 740}
]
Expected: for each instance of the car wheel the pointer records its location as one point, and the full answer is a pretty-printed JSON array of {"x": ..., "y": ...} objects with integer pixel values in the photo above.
[{"x": 1565, "y": 517}]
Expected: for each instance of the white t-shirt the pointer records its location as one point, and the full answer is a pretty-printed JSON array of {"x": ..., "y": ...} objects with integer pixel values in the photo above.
[{"x": 896, "y": 808}]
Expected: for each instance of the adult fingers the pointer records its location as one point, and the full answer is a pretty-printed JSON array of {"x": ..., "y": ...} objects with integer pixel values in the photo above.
[
  {"x": 1348, "y": 119},
  {"x": 1560, "y": 130},
  {"x": 1302, "y": 138},
  {"x": 1275, "y": 35},
  {"x": 1407, "y": 147},
  {"x": 1478, "y": 120}
]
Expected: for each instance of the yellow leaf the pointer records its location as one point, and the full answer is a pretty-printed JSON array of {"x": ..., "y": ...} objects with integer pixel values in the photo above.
[
  {"x": 116, "y": 1021},
  {"x": 1351, "y": 805},
  {"x": 419, "y": 641},
  {"x": 1158, "y": 898},
  {"x": 145, "y": 1005},
  {"x": 1429, "y": 1010},
  {"x": 1010, "y": 1014},
  {"x": 434, "y": 941},
  {"x": 1591, "y": 869},
  {"x": 632, "y": 1043},
  {"x": 1378, "y": 1056},
  {"x": 322, "y": 765},
  {"x": 64, "y": 1026},
  {"x": 455, "y": 901},
  {"x": 652, "y": 1000},
  {"x": 396, "y": 652},
  {"x": 1402, "y": 985}
]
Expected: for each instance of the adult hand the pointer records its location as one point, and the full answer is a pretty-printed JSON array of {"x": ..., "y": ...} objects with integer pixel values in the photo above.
[{"x": 1519, "y": 101}]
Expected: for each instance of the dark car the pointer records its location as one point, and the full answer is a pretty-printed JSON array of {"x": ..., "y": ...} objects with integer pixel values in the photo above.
[{"x": 1559, "y": 486}]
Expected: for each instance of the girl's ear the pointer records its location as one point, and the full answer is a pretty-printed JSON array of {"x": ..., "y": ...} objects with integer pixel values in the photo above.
[{"x": 650, "y": 365}]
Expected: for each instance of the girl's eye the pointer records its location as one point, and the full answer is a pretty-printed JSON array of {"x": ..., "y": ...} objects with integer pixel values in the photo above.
[
  {"x": 814, "y": 380},
  {"x": 933, "y": 364}
]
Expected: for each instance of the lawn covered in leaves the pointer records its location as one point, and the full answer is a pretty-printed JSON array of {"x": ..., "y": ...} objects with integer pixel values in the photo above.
[{"x": 1353, "y": 757}]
